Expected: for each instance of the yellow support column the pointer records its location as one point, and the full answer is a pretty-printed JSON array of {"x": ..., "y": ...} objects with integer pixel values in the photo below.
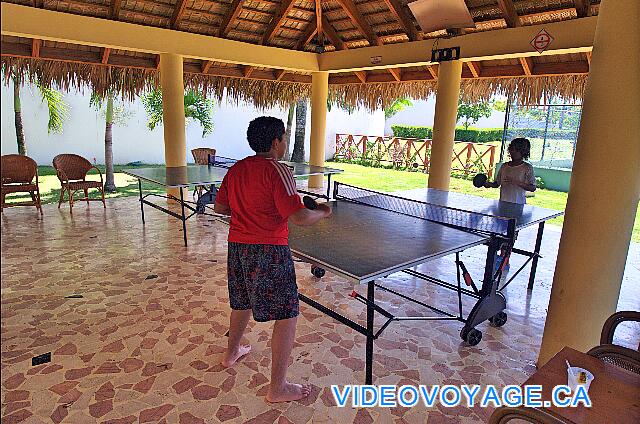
[
  {"x": 444, "y": 124},
  {"x": 319, "y": 94},
  {"x": 605, "y": 188},
  {"x": 175, "y": 139}
]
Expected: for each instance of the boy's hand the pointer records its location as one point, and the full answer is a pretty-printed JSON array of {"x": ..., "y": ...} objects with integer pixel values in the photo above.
[{"x": 325, "y": 208}]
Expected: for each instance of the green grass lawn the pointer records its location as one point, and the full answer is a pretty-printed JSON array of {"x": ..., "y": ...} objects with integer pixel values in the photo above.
[{"x": 380, "y": 179}]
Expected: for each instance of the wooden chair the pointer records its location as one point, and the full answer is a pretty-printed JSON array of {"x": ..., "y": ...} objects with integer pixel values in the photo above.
[
  {"x": 620, "y": 356},
  {"x": 505, "y": 414},
  {"x": 72, "y": 172},
  {"x": 19, "y": 175},
  {"x": 201, "y": 155}
]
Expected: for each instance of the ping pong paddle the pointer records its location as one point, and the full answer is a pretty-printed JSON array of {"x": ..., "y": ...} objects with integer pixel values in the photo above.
[
  {"x": 309, "y": 203},
  {"x": 479, "y": 180}
]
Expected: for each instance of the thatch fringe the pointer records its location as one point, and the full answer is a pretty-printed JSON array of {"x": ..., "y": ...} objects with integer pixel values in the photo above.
[{"x": 131, "y": 82}]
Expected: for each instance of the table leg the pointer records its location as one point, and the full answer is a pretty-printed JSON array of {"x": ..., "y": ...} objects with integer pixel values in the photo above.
[
  {"x": 141, "y": 202},
  {"x": 536, "y": 251},
  {"x": 370, "y": 335},
  {"x": 184, "y": 218},
  {"x": 328, "y": 186}
]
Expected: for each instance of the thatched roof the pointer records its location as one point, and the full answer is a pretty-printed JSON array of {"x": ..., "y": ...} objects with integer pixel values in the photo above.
[{"x": 292, "y": 24}]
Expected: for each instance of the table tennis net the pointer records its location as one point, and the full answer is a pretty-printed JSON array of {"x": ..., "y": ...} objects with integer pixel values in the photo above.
[{"x": 459, "y": 218}]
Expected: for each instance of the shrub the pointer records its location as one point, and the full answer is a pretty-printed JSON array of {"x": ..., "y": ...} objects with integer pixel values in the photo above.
[{"x": 473, "y": 135}]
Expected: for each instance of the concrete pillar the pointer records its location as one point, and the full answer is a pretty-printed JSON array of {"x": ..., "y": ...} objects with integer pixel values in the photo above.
[
  {"x": 319, "y": 94},
  {"x": 175, "y": 138},
  {"x": 444, "y": 124},
  {"x": 605, "y": 187}
]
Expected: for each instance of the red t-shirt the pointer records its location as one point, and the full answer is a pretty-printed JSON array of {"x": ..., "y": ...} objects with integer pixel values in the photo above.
[{"x": 261, "y": 193}]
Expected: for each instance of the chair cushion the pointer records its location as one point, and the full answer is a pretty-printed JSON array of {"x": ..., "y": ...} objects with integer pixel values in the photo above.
[{"x": 81, "y": 185}]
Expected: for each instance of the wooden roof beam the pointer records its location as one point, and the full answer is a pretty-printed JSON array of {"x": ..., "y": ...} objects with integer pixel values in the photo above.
[
  {"x": 475, "y": 68},
  {"x": 359, "y": 22},
  {"x": 35, "y": 47},
  {"x": 509, "y": 13},
  {"x": 114, "y": 9},
  {"x": 588, "y": 54},
  {"x": 583, "y": 8},
  {"x": 403, "y": 19},
  {"x": 277, "y": 20},
  {"x": 232, "y": 14},
  {"x": 432, "y": 70},
  {"x": 332, "y": 35},
  {"x": 105, "y": 55},
  {"x": 278, "y": 74},
  {"x": 206, "y": 65},
  {"x": 319, "y": 24},
  {"x": 247, "y": 71},
  {"x": 308, "y": 34},
  {"x": 362, "y": 76},
  {"x": 177, "y": 13},
  {"x": 396, "y": 73},
  {"x": 527, "y": 65}
]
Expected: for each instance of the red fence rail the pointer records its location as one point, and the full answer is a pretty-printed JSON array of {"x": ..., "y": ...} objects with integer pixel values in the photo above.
[{"x": 404, "y": 153}]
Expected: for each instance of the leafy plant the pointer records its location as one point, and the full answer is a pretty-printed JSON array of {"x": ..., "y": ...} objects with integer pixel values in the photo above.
[
  {"x": 397, "y": 106},
  {"x": 196, "y": 107},
  {"x": 471, "y": 113}
]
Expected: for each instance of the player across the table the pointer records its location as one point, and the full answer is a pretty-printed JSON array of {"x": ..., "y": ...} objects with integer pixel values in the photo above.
[
  {"x": 372, "y": 235},
  {"x": 208, "y": 176}
]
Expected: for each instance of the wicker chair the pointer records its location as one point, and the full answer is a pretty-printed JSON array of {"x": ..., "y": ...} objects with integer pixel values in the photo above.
[
  {"x": 623, "y": 357},
  {"x": 20, "y": 175},
  {"x": 72, "y": 172},
  {"x": 201, "y": 155},
  {"x": 505, "y": 414}
]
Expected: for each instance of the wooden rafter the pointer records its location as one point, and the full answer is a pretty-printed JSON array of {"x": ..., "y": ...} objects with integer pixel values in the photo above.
[
  {"x": 177, "y": 13},
  {"x": 247, "y": 71},
  {"x": 319, "y": 22},
  {"x": 35, "y": 47},
  {"x": 38, "y": 3},
  {"x": 232, "y": 14},
  {"x": 583, "y": 8},
  {"x": 588, "y": 55},
  {"x": 278, "y": 74},
  {"x": 114, "y": 9},
  {"x": 475, "y": 68},
  {"x": 361, "y": 75},
  {"x": 105, "y": 55},
  {"x": 206, "y": 65},
  {"x": 359, "y": 22},
  {"x": 396, "y": 73},
  {"x": 332, "y": 35},
  {"x": 527, "y": 65},
  {"x": 432, "y": 71},
  {"x": 277, "y": 20},
  {"x": 509, "y": 13},
  {"x": 403, "y": 19},
  {"x": 307, "y": 36}
]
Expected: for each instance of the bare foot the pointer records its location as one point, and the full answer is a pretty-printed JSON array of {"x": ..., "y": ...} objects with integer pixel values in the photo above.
[
  {"x": 230, "y": 358},
  {"x": 289, "y": 392}
]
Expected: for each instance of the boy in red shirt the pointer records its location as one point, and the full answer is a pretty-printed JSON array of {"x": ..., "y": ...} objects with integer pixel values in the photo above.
[{"x": 260, "y": 195}]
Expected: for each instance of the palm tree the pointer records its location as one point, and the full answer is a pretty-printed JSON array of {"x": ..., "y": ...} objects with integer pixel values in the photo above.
[
  {"x": 97, "y": 101},
  {"x": 196, "y": 107},
  {"x": 58, "y": 110},
  {"x": 287, "y": 134},
  {"x": 301, "y": 122}
]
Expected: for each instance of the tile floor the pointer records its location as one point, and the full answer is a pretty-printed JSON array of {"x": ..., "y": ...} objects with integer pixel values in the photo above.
[{"x": 144, "y": 341}]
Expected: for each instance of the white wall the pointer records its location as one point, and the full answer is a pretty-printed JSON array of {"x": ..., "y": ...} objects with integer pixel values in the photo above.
[
  {"x": 83, "y": 131},
  {"x": 421, "y": 114}
]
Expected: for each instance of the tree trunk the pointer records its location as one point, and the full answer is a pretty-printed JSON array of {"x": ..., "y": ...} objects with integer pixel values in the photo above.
[
  {"x": 287, "y": 134},
  {"x": 109, "y": 184},
  {"x": 22, "y": 147},
  {"x": 301, "y": 122}
]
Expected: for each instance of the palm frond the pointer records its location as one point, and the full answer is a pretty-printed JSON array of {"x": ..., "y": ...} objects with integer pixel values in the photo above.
[{"x": 58, "y": 109}]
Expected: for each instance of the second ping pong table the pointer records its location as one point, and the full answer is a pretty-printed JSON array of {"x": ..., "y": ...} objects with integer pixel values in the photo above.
[
  {"x": 372, "y": 235},
  {"x": 209, "y": 176}
]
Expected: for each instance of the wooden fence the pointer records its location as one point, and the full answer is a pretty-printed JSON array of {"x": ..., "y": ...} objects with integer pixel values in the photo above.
[{"x": 406, "y": 153}]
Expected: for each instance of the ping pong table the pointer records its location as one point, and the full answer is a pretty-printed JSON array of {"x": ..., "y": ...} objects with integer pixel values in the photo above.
[
  {"x": 211, "y": 176},
  {"x": 372, "y": 235}
]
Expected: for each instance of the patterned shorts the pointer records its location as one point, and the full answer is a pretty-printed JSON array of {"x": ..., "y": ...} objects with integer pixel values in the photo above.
[{"x": 262, "y": 278}]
